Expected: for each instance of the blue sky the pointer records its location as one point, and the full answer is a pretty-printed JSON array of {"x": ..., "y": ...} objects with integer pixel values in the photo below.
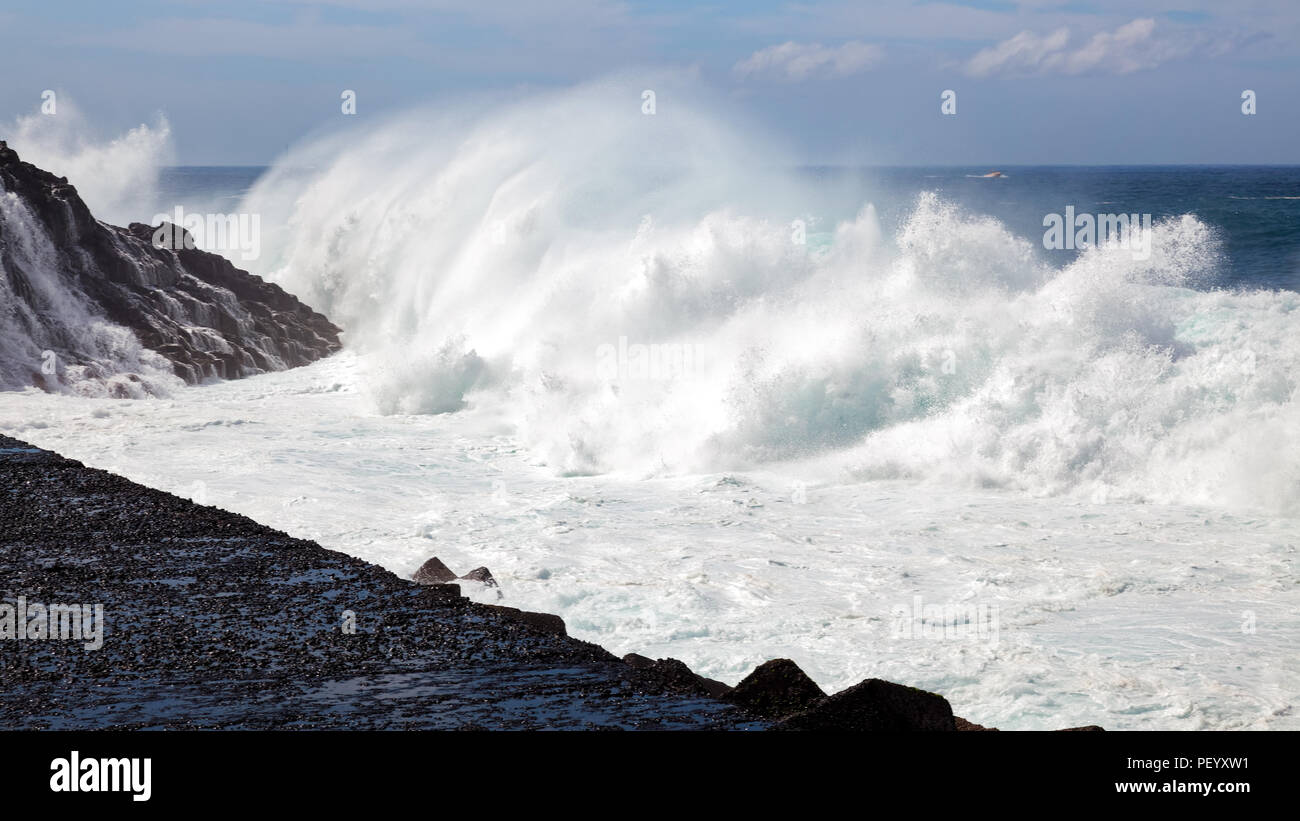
[{"x": 1040, "y": 81}]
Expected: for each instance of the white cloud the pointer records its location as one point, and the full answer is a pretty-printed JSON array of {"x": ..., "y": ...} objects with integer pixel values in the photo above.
[
  {"x": 1129, "y": 48},
  {"x": 800, "y": 61},
  {"x": 1026, "y": 51}
]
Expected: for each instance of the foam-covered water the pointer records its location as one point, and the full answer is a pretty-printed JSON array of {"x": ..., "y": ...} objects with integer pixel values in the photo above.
[
  {"x": 493, "y": 267},
  {"x": 829, "y": 418}
]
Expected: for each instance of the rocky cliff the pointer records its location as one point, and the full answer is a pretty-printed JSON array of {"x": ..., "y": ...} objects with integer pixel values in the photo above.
[{"x": 95, "y": 308}]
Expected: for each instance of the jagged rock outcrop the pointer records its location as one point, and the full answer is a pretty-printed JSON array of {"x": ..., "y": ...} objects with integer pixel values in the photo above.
[{"x": 81, "y": 300}]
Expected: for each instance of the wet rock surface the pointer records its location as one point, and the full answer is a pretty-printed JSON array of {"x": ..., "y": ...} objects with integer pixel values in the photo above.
[
  {"x": 674, "y": 675},
  {"x": 206, "y": 317},
  {"x": 481, "y": 575},
  {"x": 214, "y": 621}
]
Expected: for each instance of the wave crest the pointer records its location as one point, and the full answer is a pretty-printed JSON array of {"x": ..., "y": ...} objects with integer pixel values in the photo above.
[{"x": 501, "y": 262}]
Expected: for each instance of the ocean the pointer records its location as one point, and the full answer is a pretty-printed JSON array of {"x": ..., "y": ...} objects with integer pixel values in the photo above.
[{"x": 723, "y": 409}]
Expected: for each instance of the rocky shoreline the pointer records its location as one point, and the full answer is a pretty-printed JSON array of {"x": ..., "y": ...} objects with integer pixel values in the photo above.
[
  {"x": 212, "y": 621},
  {"x": 76, "y": 288}
]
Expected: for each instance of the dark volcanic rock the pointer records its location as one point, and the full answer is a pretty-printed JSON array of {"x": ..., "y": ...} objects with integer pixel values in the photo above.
[
  {"x": 776, "y": 689},
  {"x": 441, "y": 591},
  {"x": 672, "y": 675},
  {"x": 970, "y": 726},
  {"x": 482, "y": 575},
  {"x": 1091, "y": 728},
  {"x": 434, "y": 572},
  {"x": 212, "y": 621},
  {"x": 876, "y": 704},
  {"x": 109, "y": 305}
]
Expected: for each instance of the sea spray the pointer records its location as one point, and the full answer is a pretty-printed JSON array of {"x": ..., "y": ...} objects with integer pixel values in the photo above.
[
  {"x": 482, "y": 264},
  {"x": 51, "y": 316},
  {"x": 116, "y": 176}
]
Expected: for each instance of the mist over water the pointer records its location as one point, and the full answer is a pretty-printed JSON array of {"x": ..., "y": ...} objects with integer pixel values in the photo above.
[
  {"x": 115, "y": 176},
  {"x": 484, "y": 258}
]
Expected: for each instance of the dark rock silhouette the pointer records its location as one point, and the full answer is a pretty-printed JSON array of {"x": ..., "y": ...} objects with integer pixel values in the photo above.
[
  {"x": 670, "y": 674},
  {"x": 673, "y": 675},
  {"x": 876, "y": 704},
  {"x": 776, "y": 689}
]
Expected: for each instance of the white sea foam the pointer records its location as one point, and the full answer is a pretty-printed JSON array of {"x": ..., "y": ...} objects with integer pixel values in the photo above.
[{"x": 486, "y": 258}]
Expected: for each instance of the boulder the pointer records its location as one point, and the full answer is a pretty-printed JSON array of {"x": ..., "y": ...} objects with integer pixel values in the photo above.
[
  {"x": 482, "y": 575},
  {"x": 434, "y": 572},
  {"x": 673, "y": 675},
  {"x": 876, "y": 704},
  {"x": 776, "y": 689}
]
